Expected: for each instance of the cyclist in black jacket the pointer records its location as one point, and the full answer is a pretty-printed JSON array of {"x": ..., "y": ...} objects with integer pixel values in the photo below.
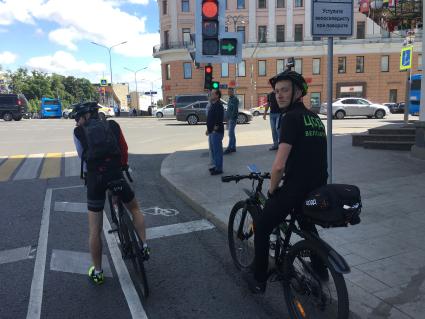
[{"x": 302, "y": 159}]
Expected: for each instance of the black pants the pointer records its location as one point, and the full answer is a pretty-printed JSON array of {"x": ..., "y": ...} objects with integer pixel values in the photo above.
[{"x": 275, "y": 211}]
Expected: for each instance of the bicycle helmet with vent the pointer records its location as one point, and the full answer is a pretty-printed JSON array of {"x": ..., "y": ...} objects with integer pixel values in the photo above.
[
  {"x": 83, "y": 108},
  {"x": 296, "y": 78}
]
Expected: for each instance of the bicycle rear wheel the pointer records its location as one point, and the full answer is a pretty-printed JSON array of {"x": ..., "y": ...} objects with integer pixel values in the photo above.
[
  {"x": 240, "y": 231},
  {"x": 138, "y": 261},
  {"x": 306, "y": 294},
  {"x": 117, "y": 211}
]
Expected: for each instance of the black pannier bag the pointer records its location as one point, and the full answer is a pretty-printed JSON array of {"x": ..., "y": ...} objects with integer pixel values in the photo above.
[{"x": 333, "y": 205}]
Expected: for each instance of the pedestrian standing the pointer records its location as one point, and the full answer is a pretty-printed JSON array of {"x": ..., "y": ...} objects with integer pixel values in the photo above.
[
  {"x": 274, "y": 118},
  {"x": 215, "y": 129},
  {"x": 232, "y": 118},
  {"x": 211, "y": 163}
]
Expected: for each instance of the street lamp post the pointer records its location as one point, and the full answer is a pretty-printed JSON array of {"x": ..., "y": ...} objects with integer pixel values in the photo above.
[
  {"x": 135, "y": 82},
  {"x": 109, "y": 51}
]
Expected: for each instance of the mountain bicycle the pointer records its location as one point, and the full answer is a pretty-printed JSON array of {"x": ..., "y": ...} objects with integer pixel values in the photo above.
[
  {"x": 130, "y": 242},
  {"x": 307, "y": 293}
]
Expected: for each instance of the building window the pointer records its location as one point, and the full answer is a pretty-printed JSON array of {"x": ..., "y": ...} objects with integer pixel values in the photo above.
[
  {"x": 226, "y": 29},
  {"x": 298, "y": 33},
  {"x": 393, "y": 96},
  {"x": 298, "y": 66},
  {"x": 359, "y": 64},
  {"x": 361, "y": 29},
  {"x": 164, "y": 7},
  {"x": 280, "y": 66},
  {"x": 166, "y": 39},
  {"x": 241, "y": 4},
  {"x": 315, "y": 38},
  {"x": 187, "y": 68},
  {"x": 315, "y": 99},
  {"x": 241, "y": 69},
  {"x": 280, "y": 33},
  {"x": 385, "y": 63},
  {"x": 262, "y": 34},
  {"x": 186, "y": 36},
  {"x": 168, "y": 71},
  {"x": 280, "y": 4},
  {"x": 316, "y": 66},
  {"x": 262, "y": 4},
  {"x": 225, "y": 70},
  {"x": 342, "y": 61},
  {"x": 241, "y": 29},
  {"x": 226, "y": 5},
  {"x": 262, "y": 68},
  {"x": 419, "y": 61},
  {"x": 298, "y": 3},
  {"x": 185, "y": 6}
]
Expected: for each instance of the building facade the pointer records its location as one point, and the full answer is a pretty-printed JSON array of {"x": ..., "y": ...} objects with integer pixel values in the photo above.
[{"x": 365, "y": 65}]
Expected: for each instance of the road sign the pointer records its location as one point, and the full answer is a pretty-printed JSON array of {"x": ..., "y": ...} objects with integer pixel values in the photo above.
[
  {"x": 103, "y": 82},
  {"x": 332, "y": 18},
  {"x": 228, "y": 46},
  {"x": 406, "y": 55},
  {"x": 151, "y": 93},
  {"x": 223, "y": 86}
]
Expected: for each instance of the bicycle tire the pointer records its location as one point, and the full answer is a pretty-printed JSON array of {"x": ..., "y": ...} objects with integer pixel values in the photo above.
[
  {"x": 138, "y": 261},
  {"x": 117, "y": 218},
  {"x": 246, "y": 239},
  {"x": 314, "y": 288}
]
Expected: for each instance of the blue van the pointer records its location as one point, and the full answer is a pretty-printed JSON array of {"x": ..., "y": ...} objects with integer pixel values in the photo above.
[{"x": 51, "y": 108}]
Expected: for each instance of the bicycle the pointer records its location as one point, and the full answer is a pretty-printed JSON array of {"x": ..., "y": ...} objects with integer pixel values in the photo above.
[
  {"x": 307, "y": 294},
  {"x": 130, "y": 242}
]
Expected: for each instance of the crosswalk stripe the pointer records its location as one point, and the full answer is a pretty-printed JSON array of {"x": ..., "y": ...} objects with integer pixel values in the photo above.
[
  {"x": 51, "y": 166},
  {"x": 29, "y": 168},
  {"x": 9, "y": 166},
  {"x": 72, "y": 164}
]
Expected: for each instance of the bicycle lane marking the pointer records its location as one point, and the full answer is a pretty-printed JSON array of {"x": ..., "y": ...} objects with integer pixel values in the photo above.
[{"x": 130, "y": 293}]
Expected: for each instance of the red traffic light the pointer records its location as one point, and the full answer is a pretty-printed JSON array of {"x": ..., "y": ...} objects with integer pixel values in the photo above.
[
  {"x": 210, "y": 9},
  {"x": 208, "y": 69}
]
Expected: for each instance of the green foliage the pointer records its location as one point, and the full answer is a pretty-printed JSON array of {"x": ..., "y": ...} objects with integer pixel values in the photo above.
[
  {"x": 160, "y": 102},
  {"x": 35, "y": 85}
]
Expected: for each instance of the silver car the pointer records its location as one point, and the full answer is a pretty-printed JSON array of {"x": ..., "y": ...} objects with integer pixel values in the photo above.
[
  {"x": 354, "y": 106},
  {"x": 166, "y": 111}
]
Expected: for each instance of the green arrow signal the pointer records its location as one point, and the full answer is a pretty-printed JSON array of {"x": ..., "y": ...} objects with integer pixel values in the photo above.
[{"x": 229, "y": 47}]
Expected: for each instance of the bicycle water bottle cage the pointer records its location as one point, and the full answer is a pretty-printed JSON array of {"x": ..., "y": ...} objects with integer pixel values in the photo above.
[{"x": 116, "y": 186}]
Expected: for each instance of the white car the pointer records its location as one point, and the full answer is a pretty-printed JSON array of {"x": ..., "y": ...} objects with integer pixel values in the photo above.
[
  {"x": 355, "y": 106},
  {"x": 104, "y": 112},
  {"x": 166, "y": 111}
]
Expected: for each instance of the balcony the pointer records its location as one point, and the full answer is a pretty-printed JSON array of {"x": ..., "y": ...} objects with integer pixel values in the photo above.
[{"x": 171, "y": 46}]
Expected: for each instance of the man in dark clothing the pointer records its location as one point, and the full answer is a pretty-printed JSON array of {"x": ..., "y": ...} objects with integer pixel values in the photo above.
[
  {"x": 275, "y": 113},
  {"x": 302, "y": 157},
  {"x": 215, "y": 129},
  {"x": 232, "y": 118}
]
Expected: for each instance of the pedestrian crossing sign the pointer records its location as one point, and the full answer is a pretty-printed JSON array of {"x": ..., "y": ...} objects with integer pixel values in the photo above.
[{"x": 406, "y": 56}]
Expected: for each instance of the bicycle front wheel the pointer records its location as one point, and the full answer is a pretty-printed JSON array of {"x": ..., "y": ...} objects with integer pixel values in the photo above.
[
  {"x": 308, "y": 294},
  {"x": 138, "y": 262},
  {"x": 240, "y": 233}
]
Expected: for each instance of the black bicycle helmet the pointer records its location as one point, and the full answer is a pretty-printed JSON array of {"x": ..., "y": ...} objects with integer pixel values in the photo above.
[
  {"x": 296, "y": 78},
  {"x": 85, "y": 107}
]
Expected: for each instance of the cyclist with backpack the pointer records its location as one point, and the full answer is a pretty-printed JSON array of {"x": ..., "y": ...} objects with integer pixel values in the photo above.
[
  {"x": 302, "y": 158},
  {"x": 104, "y": 153}
]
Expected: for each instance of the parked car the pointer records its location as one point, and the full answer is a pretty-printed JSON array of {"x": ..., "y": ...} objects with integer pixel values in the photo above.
[
  {"x": 354, "y": 106},
  {"x": 13, "y": 106},
  {"x": 259, "y": 110},
  {"x": 186, "y": 99},
  {"x": 67, "y": 113},
  {"x": 166, "y": 111},
  {"x": 196, "y": 112},
  {"x": 395, "y": 107}
]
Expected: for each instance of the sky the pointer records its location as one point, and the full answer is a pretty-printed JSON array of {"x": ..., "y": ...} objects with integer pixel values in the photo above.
[{"x": 54, "y": 36}]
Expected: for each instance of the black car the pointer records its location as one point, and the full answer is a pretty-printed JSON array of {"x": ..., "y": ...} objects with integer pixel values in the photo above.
[
  {"x": 395, "y": 107},
  {"x": 13, "y": 106}
]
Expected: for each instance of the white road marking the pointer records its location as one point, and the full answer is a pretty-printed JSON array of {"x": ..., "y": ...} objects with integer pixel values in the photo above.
[
  {"x": 154, "y": 211},
  {"x": 130, "y": 293},
  {"x": 13, "y": 255},
  {"x": 36, "y": 294},
  {"x": 76, "y": 262},
  {"x": 30, "y": 167},
  {"x": 71, "y": 207},
  {"x": 178, "y": 229},
  {"x": 72, "y": 164}
]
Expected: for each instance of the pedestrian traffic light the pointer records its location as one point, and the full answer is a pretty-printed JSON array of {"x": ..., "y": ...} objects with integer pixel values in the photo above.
[
  {"x": 210, "y": 27},
  {"x": 215, "y": 85},
  {"x": 208, "y": 77}
]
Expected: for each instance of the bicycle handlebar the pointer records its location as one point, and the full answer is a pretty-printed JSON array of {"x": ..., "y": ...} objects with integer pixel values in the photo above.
[{"x": 237, "y": 178}]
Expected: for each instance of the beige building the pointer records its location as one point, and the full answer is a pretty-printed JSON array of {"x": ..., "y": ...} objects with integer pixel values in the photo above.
[{"x": 366, "y": 64}]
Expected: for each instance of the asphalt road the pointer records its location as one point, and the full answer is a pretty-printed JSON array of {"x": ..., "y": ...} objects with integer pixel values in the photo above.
[{"x": 191, "y": 274}]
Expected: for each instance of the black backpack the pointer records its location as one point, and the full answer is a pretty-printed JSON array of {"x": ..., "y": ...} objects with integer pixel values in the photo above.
[{"x": 101, "y": 141}]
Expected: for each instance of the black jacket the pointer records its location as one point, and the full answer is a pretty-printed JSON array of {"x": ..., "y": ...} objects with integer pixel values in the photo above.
[{"x": 215, "y": 118}]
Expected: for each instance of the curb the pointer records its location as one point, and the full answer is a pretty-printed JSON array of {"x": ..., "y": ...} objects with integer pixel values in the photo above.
[{"x": 186, "y": 198}]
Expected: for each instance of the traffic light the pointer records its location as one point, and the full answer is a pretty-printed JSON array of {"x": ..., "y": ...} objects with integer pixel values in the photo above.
[
  {"x": 215, "y": 85},
  {"x": 210, "y": 27},
  {"x": 208, "y": 77},
  {"x": 228, "y": 46}
]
